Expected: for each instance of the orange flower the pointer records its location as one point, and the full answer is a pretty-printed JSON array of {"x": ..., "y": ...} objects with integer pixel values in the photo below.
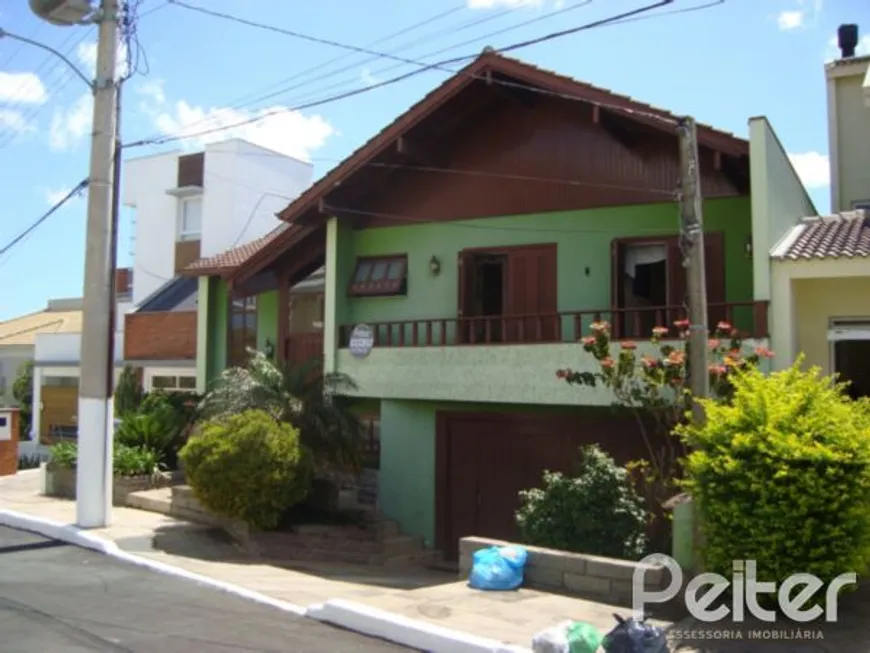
[
  {"x": 607, "y": 362},
  {"x": 660, "y": 331},
  {"x": 718, "y": 370},
  {"x": 599, "y": 327},
  {"x": 589, "y": 340},
  {"x": 763, "y": 352},
  {"x": 628, "y": 344},
  {"x": 713, "y": 343},
  {"x": 682, "y": 324},
  {"x": 724, "y": 326},
  {"x": 649, "y": 362}
]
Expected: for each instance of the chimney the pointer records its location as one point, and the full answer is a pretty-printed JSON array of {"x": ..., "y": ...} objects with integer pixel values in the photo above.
[
  {"x": 123, "y": 280},
  {"x": 847, "y": 39}
]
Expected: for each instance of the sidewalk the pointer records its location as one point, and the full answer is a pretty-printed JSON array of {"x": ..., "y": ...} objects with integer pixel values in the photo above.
[{"x": 430, "y": 596}]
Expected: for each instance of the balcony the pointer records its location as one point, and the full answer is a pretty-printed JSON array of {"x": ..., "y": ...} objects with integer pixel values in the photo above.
[
  {"x": 510, "y": 359},
  {"x": 749, "y": 318}
]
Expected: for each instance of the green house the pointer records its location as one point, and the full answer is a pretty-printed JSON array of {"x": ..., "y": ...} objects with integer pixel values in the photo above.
[{"x": 465, "y": 249}]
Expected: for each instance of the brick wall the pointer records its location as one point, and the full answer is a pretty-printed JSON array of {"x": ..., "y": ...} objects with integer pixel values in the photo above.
[
  {"x": 123, "y": 280},
  {"x": 160, "y": 336}
]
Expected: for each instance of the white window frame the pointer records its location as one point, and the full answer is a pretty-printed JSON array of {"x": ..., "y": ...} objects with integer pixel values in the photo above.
[
  {"x": 150, "y": 374},
  {"x": 185, "y": 234}
]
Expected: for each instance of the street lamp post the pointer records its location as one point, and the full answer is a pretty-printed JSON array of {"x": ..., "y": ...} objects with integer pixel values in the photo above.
[{"x": 95, "y": 418}]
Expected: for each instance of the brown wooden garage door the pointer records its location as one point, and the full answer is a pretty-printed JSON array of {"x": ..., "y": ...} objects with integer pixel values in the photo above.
[{"x": 483, "y": 460}]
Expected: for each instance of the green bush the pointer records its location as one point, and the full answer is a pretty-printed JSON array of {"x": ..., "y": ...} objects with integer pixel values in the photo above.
[
  {"x": 128, "y": 392},
  {"x": 126, "y": 460},
  {"x": 782, "y": 476},
  {"x": 64, "y": 454},
  {"x": 247, "y": 466},
  {"x": 134, "y": 461},
  {"x": 158, "y": 431},
  {"x": 596, "y": 512}
]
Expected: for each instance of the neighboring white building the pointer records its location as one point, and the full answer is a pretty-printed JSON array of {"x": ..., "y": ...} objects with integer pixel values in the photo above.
[
  {"x": 187, "y": 206},
  {"x": 223, "y": 197}
]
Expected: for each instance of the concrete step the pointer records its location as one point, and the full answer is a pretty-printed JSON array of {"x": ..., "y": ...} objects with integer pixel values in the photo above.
[{"x": 401, "y": 545}]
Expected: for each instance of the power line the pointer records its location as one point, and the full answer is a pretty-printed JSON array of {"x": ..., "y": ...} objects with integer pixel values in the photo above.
[
  {"x": 269, "y": 92},
  {"x": 75, "y": 191},
  {"x": 394, "y": 80}
]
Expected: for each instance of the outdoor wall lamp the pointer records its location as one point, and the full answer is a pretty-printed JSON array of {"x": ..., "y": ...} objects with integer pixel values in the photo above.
[
  {"x": 434, "y": 265},
  {"x": 269, "y": 349}
]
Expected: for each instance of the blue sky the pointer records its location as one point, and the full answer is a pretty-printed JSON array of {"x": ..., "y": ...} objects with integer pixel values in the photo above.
[{"x": 722, "y": 65}]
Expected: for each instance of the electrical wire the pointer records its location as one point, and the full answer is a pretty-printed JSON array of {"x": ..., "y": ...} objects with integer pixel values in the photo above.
[
  {"x": 355, "y": 65},
  {"x": 45, "y": 216},
  {"x": 269, "y": 92},
  {"x": 399, "y": 78}
]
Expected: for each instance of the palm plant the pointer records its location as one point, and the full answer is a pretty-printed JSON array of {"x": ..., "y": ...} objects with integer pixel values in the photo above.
[{"x": 303, "y": 395}]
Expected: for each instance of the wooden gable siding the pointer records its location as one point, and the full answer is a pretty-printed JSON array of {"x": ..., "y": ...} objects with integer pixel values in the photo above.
[{"x": 554, "y": 143}]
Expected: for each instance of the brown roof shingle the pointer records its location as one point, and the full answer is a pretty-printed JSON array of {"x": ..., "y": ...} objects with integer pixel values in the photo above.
[
  {"x": 232, "y": 258},
  {"x": 843, "y": 235}
]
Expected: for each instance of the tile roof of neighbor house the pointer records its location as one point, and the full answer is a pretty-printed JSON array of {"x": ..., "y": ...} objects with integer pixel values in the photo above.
[
  {"x": 525, "y": 74},
  {"x": 843, "y": 235},
  {"x": 232, "y": 258},
  {"x": 23, "y": 330}
]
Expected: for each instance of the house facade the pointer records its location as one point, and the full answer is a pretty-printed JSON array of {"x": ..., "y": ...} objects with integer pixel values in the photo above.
[
  {"x": 821, "y": 266},
  {"x": 467, "y": 248},
  {"x": 189, "y": 207}
]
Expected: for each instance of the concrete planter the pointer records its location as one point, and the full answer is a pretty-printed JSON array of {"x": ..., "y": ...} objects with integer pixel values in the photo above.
[{"x": 61, "y": 482}]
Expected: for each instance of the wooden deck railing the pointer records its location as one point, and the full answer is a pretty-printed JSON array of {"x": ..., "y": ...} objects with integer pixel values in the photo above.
[{"x": 749, "y": 318}]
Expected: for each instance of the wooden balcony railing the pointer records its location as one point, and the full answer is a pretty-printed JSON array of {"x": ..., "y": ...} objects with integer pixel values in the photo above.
[
  {"x": 302, "y": 347},
  {"x": 749, "y": 318}
]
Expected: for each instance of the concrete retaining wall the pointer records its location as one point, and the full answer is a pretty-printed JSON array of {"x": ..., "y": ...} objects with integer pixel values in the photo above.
[
  {"x": 61, "y": 482},
  {"x": 594, "y": 577}
]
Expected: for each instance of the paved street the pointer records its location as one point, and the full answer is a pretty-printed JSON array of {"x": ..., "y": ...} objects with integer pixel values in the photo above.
[{"x": 55, "y": 597}]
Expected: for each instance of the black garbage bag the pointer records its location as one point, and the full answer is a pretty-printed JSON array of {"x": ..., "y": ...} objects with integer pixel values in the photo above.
[{"x": 633, "y": 636}]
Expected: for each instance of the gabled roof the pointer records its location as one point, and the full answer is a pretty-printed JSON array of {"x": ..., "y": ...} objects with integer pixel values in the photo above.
[
  {"x": 525, "y": 74},
  {"x": 842, "y": 235},
  {"x": 311, "y": 204},
  {"x": 23, "y": 330}
]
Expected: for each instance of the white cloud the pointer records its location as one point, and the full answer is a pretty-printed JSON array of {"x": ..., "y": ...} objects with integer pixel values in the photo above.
[
  {"x": 14, "y": 120},
  {"x": 367, "y": 78},
  {"x": 288, "y": 132},
  {"x": 22, "y": 87},
  {"x": 833, "y": 50},
  {"x": 55, "y": 195},
  {"x": 69, "y": 126},
  {"x": 788, "y": 20},
  {"x": 813, "y": 168}
]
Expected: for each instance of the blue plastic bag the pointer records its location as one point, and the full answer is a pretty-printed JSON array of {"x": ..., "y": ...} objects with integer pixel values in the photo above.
[{"x": 498, "y": 568}]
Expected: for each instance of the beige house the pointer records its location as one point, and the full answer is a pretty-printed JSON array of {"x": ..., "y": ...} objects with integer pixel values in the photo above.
[{"x": 820, "y": 269}]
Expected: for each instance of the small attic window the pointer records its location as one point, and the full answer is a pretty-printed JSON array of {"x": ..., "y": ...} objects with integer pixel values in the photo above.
[{"x": 380, "y": 276}]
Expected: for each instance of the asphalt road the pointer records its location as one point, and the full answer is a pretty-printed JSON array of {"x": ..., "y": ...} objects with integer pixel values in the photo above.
[{"x": 59, "y": 598}]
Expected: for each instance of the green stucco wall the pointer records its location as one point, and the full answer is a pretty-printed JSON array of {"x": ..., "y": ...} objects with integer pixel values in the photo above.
[
  {"x": 583, "y": 238},
  {"x": 267, "y": 320}
]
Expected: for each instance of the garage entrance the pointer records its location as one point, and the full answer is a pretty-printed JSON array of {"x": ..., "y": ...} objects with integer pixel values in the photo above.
[{"x": 483, "y": 460}]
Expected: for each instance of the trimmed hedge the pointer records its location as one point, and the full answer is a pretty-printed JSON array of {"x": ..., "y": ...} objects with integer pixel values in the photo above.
[
  {"x": 782, "y": 476},
  {"x": 247, "y": 466}
]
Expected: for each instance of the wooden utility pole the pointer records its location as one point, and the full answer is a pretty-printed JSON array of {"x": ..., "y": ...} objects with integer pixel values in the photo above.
[{"x": 692, "y": 246}]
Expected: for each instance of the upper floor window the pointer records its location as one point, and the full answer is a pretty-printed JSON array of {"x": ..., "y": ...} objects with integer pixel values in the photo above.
[
  {"x": 380, "y": 276},
  {"x": 190, "y": 219}
]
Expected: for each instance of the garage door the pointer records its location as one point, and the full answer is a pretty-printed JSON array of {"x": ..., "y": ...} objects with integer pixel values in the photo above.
[{"x": 484, "y": 460}]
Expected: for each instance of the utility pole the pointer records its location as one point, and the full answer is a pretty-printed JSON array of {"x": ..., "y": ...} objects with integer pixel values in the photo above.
[
  {"x": 692, "y": 241},
  {"x": 95, "y": 420}
]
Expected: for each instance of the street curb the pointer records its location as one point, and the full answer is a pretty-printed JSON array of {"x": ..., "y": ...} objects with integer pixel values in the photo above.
[
  {"x": 402, "y": 630},
  {"x": 78, "y": 537}
]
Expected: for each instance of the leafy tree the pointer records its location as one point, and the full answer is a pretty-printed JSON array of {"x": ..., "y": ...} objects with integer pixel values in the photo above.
[
  {"x": 22, "y": 392},
  {"x": 312, "y": 401},
  {"x": 652, "y": 383},
  {"x": 128, "y": 392}
]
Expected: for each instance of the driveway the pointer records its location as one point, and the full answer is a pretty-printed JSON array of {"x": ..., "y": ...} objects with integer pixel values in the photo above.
[{"x": 55, "y": 597}]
